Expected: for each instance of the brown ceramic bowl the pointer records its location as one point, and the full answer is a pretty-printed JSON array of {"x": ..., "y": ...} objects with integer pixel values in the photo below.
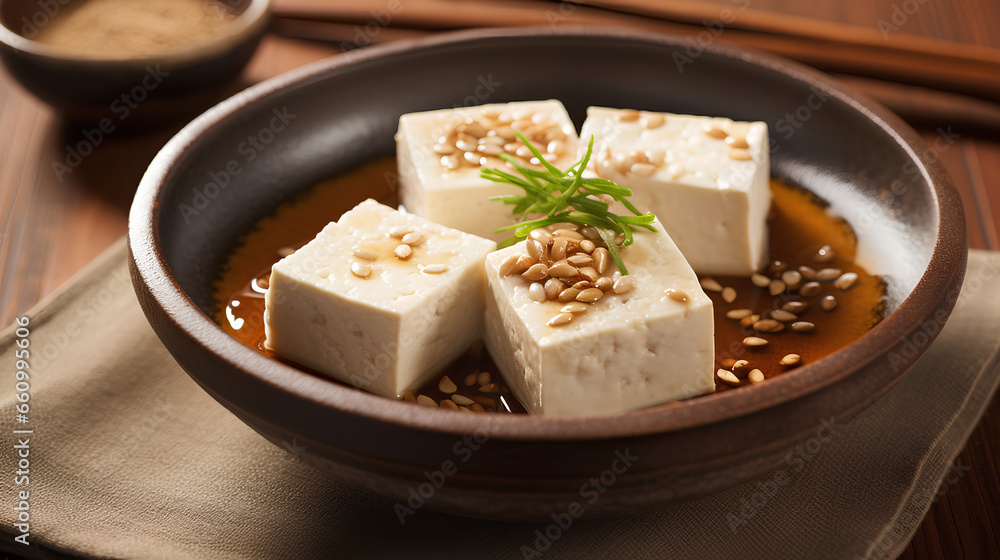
[
  {"x": 343, "y": 111},
  {"x": 126, "y": 91}
]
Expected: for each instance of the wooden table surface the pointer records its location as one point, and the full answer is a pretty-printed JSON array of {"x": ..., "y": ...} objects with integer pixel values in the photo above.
[{"x": 56, "y": 222}]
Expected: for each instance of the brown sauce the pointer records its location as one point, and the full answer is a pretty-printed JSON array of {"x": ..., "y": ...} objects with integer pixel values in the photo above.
[{"x": 799, "y": 226}]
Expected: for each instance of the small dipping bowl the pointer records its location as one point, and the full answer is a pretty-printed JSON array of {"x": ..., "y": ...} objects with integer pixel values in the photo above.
[{"x": 159, "y": 87}]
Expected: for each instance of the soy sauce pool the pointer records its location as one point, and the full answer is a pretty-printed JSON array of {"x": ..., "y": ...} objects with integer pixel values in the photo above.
[{"x": 799, "y": 226}]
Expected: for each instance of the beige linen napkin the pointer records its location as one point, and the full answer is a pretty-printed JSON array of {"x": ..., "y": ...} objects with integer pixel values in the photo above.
[{"x": 130, "y": 458}]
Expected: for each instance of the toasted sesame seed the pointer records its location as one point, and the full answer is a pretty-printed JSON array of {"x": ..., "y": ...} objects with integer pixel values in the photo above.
[
  {"x": 589, "y": 274},
  {"x": 535, "y": 272},
  {"x": 760, "y": 280},
  {"x": 846, "y": 281},
  {"x": 426, "y": 401},
  {"x": 541, "y": 236},
  {"x": 729, "y": 294},
  {"x": 361, "y": 270},
  {"x": 409, "y": 396},
  {"x": 560, "y": 319},
  {"x": 563, "y": 270},
  {"x": 710, "y": 284},
  {"x": 776, "y": 287},
  {"x": 624, "y": 284},
  {"x": 365, "y": 254},
  {"x": 470, "y": 380},
  {"x": 570, "y": 234},
  {"x": 450, "y": 162},
  {"x": 524, "y": 262},
  {"x": 777, "y": 267},
  {"x": 810, "y": 289},
  {"x": 641, "y": 169},
  {"x": 796, "y": 307},
  {"x": 569, "y": 294},
  {"x": 484, "y": 378},
  {"x": 754, "y": 341},
  {"x": 749, "y": 320},
  {"x": 574, "y": 307},
  {"x": 768, "y": 325},
  {"x": 434, "y": 269},
  {"x": 402, "y": 251},
  {"x": 803, "y": 326},
  {"x": 465, "y": 146},
  {"x": 449, "y": 404},
  {"x": 740, "y": 365},
  {"x": 677, "y": 295},
  {"x": 628, "y": 115},
  {"x": 400, "y": 231},
  {"x": 828, "y": 303},
  {"x": 738, "y": 314},
  {"x": 737, "y": 142},
  {"x": 534, "y": 248},
  {"x": 553, "y": 287},
  {"x": 536, "y": 291},
  {"x": 727, "y": 376},
  {"x": 559, "y": 246},
  {"x": 792, "y": 278},
  {"x": 462, "y": 400},
  {"x": 825, "y": 254},
  {"x": 580, "y": 260},
  {"x": 587, "y": 246},
  {"x": 489, "y": 149},
  {"x": 827, "y": 274},
  {"x": 601, "y": 258},
  {"x": 807, "y": 272},
  {"x": 715, "y": 132},
  {"x": 508, "y": 266},
  {"x": 490, "y": 387},
  {"x": 728, "y": 362},
  {"x": 444, "y": 149},
  {"x": 590, "y": 295},
  {"x": 413, "y": 238},
  {"x": 446, "y": 385},
  {"x": 616, "y": 275},
  {"x": 790, "y": 360},
  {"x": 740, "y": 155},
  {"x": 285, "y": 251},
  {"x": 652, "y": 120},
  {"x": 756, "y": 376},
  {"x": 783, "y": 316}
]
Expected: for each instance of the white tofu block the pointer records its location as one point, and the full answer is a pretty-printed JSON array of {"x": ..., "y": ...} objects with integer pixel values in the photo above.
[
  {"x": 459, "y": 197},
  {"x": 709, "y": 189},
  {"x": 393, "y": 329},
  {"x": 626, "y": 352}
]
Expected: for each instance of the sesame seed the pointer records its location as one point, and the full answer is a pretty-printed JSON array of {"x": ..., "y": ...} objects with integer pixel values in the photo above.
[
  {"x": 729, "y": 294},
  {"x": 553, "y": 287},
  {"x": 738, "y": 314},
  {"x": 754, "y": 341},
  {"x": 590, "y": 232},
  {"x": 807, "y": 272},
  {"x": 446, "y": 385},
  {"x": 803, "y": 326},
  {"x": 642, "y": 169},
  {"x": 792, "y": 278},
  {"x": 524, "y": 262},
  {"x": 760, "y": 280},
  {"x": 768, "y": 325},
  {"x": 568, "y": 295},
  {"x": 536, "y": 272},
  {"x": 728, "y": 362},
  {"x": 601, "y": 258},
  {"x": 846, "y": 281},
  {"x": 508, "y": 266},
  {"x": 710, "y": 284},
  {"x": 490, "y": 388},
  {"x": 450, "y": 405},
  {"x": 589, "y": 274},
  {"x": 827, "y": 274},
  {"x": 590, "y": 295},
  {"x": 624, "y": 284},
  {"x": 562, "y": 270},
  {"x": 462, "y": 400},
  {"x": 824, "y": 254},
  {"x": 559, "y": 246},
  {"x": 828, "y": 303},
  {"x": 541, "y": 236},
  {"x": 776, "y": 287},
  {"x": 534, "y": 248},
  {"x": 560, "y": 319},
  {"x": 797, "y": 307},
  {"x": 677, "y": 295},
  {"x": 740, "y": 155},
  {"x": 574, "y": 307},
  {"x": 737, "y": 142},
  {"x": 740, "y": 365},
  {"x": 749, "y": 320},
  {"x": 715, "y": 132},
  {"x": 783, "y": 316},
  {"x": 365, "y": 254},
  {"x": 413, "y": 238},
  {"x": 361, "y": 270},
  {"x": 568, "y": 234},
  {"x": 628, "y": 115},
  {"x": 444, "y": 149},
  {"x": 400, "y": 231},
  {"x": 727, "y": 376},
  {"x": 484, "y": 378},
  {"x": 810, "y": 289},
  {"x": 426, "y": 401},
  {"x": 790, "y": 360},
  {"x": 434, "y": 269},
  {"x": 285, "y": 251},
  {"x": 536, "y": 291},
  {"x": 652, "y": 120},
  {"x": 580, "y": 260},
  {"x": 403, "y": 252},
  {"x": 777, "y": 267},
  {"x": 756, "y": 376},
  {"x": 587, "y": 246},
  {"x": 470, "y": 380}
]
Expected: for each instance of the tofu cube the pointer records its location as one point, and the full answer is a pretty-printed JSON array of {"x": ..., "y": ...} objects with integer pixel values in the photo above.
[
  {"x": 706, "y": 179},
  {"x": 346, "y": 306},
  {"x": 626, "y": 351},
  {"x": 440, "y": 155}
]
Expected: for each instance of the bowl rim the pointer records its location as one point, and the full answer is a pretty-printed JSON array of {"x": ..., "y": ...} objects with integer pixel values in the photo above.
[
  {"x": 932, "y": 292},
  {"x": 252, "y": 20}
]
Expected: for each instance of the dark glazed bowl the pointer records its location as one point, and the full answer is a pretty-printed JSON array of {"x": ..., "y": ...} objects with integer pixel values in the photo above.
[
  {"x": 343, "y": 111},
  {"x": 151, "y": 89}
]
